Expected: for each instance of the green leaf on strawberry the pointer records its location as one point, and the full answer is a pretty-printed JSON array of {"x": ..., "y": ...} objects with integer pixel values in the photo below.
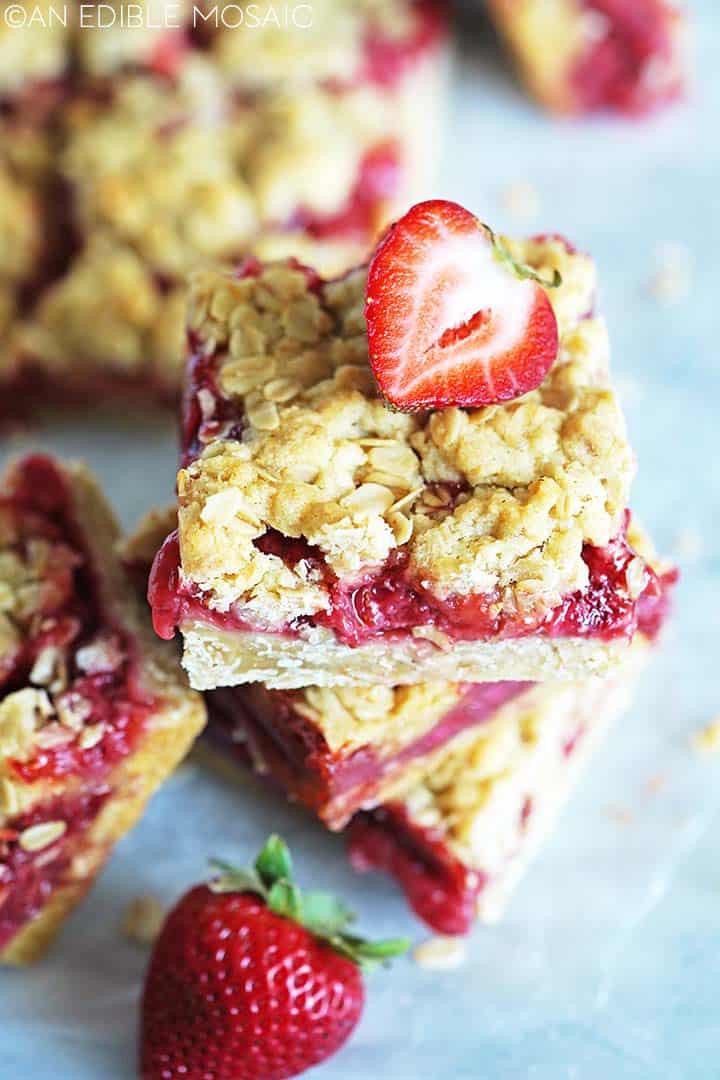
[{"x": 318, "y": 912}]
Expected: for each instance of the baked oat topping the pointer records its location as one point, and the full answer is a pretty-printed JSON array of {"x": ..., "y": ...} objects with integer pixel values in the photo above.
[
  {"x": 328, "y": 43},
  {"x": 366, "y": 715},
  {"x": 533, "y": 480},
  {"x": 33, "y": 44}
]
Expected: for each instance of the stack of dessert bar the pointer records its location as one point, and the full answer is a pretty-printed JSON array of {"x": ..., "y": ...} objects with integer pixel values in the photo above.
[
  {"x": 131, "y": 154},
  {"x": 414, "y": 622}
]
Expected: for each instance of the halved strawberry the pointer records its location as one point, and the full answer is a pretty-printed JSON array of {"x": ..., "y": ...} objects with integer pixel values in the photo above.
[{"x": 451, "y": 319}]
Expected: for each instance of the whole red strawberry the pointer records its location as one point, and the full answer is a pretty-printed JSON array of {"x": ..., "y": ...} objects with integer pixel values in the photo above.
[{"x": 251, "y": 979}]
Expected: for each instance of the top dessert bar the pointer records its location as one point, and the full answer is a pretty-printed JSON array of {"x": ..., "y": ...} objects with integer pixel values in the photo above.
[
  {"x": 579, "y": 56},
  {"x": 325, "y": 539}
]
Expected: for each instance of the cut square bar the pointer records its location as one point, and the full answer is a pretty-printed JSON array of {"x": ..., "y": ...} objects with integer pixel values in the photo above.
[
  {"x": 94, "y": 714},
  {"x": 324, "y": 539}
]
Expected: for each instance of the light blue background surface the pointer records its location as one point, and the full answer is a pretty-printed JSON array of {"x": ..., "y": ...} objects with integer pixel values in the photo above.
[{"x": 607, "y": 965}]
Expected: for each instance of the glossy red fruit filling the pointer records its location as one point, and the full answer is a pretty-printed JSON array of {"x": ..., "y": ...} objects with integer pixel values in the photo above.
[
  {"x": 377, "y": 185},
  {"x": 441, "y": 889},
  {"x": 615, "y": 71},
  {"x": 103, "y": 708},
  {"x": 334, "y": 784},
  {"x": 28, "y": 878},
  {"x": 389, "y": 603},
  {"x": 387, "y": 57}
]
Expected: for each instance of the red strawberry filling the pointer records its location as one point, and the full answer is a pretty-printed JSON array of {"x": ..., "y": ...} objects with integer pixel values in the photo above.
[
  {"x": 616, "y": 69},
  {"x": 440, "y": 888},
  {"x": 264, "y": 725},
  {"x": 377, "y": 185},
  {"x": 28, "y": 878},
  {"x": 71, "y": 646},
  {"x": 387, "y": 58},
  {"x": 389, "y": 603}
]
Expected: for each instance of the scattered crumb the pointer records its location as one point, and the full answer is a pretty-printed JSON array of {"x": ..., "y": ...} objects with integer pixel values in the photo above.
[
  {"x": 520, "y": 200},
  {"x": 143, "y": 920},
  {"x": 688, "y": 545},
  {"x": 440, "y": 954},
  {"x": 707, "y": 739},
  {"x": 656, "y": 784},
  {"x": 672, "y": 280},
  {"x": 620, "y": 815}
]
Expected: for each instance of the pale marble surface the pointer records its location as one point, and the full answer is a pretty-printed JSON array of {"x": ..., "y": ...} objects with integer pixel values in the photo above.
[{"x": 607, "y": 964}]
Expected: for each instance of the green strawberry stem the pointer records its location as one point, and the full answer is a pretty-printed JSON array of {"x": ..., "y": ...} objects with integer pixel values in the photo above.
[
  {"x": 319, "y": 912},
  {"x": 519, "y": 269}
]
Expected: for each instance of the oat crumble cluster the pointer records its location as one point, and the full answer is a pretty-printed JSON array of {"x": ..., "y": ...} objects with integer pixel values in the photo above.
[{"x": 322, "y": 458}]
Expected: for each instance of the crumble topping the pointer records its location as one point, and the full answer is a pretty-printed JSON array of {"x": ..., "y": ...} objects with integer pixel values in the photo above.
[
  {"x": 441, "y": 954},
  {"x": 20, "y": 226},
  {"x": 102, "y": 50},
  {"x": 32, "y": 44},
  {"x": 360, "y": 715},
  {"x": 108, "y": 308},
  {"x": 182, "y": 184},
  {"x": 494, "y": 499},
  {"x": 259, "y": 53},
  {"x": 143, "y": 919}
]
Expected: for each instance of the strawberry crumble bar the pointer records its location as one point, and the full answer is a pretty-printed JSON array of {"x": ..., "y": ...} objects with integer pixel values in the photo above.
[
  {"x": 93, "y": 714},
  {"x": 341, "y": 750},
  {"x": 458, "y": 841},
  {"x": 325, "y": 539},
  {"x": 579, "y": 56},
  {"x": 338, "y": 751}
]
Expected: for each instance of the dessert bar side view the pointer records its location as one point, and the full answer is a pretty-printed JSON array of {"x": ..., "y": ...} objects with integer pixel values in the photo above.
[
  {"x": 448, "y": 787},
  {"x": 155, "y": 161},
  {"x": 94, "y": 711},
  {"x": 458, "y": 841},
  {"x": 325, "y": 538},
  {"x": 606, "y": 54}
]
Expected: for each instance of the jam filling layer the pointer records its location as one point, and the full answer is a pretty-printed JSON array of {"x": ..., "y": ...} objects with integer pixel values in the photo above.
[
  {"x": 377, "y": 185},
  {"x": 32, "y": 867},
  {"x": 439, "y": 887},
  {"x": 334, "y": 784},
  {"x": 613, "y": 71},
  {"x": 388, "y": 604},
  {"x": 71, "y": 648}
]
